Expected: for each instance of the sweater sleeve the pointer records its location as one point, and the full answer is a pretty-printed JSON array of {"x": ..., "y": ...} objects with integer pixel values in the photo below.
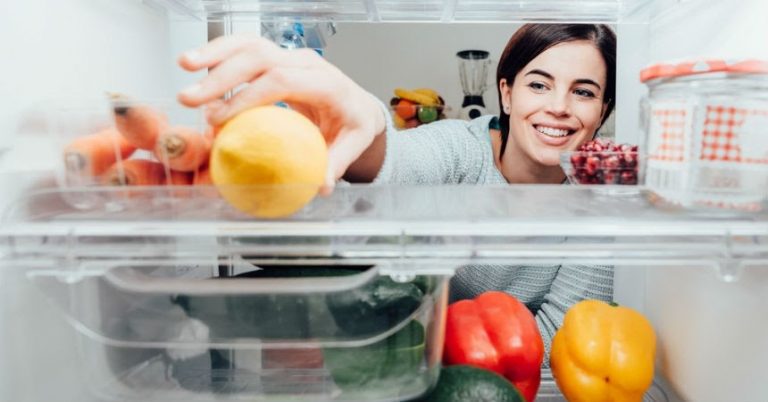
[
  {"x": 572, "y": 284},
  {"x": 442, "y": 152}
]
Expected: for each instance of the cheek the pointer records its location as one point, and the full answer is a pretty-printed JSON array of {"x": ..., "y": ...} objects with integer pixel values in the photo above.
[{"x": 589, "y": 115}]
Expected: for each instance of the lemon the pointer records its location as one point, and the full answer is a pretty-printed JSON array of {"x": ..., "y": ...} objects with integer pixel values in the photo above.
[{"x": 269, "y": 161}]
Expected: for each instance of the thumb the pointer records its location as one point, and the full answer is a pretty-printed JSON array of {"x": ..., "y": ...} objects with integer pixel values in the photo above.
[
  {"x": 330, "y": 182},
  {"x": 342, "y": 152}
]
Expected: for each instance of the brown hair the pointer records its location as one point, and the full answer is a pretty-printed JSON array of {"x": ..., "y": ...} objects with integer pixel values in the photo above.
[{"x": 533, "y": 39}]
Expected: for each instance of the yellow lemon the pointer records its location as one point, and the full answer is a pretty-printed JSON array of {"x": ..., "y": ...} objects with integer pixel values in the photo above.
[{"x": 269, "y": 161}]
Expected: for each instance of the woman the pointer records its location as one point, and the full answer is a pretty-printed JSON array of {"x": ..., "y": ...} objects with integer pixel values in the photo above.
[{"x": 556, "y": 86}]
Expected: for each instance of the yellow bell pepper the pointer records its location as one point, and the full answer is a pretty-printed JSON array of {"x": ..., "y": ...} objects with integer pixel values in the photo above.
[{"x": 603, "y": 353}]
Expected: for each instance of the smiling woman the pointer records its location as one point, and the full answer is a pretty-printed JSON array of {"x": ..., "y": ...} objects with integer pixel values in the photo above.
[{"x": 556, "y": 88}]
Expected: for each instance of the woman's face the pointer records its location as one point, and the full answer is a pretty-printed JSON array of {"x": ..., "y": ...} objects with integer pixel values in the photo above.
[{"x": 556, "y": 102}]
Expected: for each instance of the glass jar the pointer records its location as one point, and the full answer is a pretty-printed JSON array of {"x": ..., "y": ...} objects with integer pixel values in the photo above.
[{"x": 706, "y": 125}]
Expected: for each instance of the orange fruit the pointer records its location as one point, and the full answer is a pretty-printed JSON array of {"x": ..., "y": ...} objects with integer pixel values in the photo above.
[
  {"x": 405, "y": 109},
  {"x": 269, "y": 161}
]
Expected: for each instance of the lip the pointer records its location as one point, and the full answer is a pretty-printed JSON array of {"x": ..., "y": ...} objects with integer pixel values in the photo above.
[
  {"x": 552, "y": 141},
  {"x": 558, "y": 126}
]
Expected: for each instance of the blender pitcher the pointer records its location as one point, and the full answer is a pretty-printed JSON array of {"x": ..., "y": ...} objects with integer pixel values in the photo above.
[{"x": 473, "y": 73}]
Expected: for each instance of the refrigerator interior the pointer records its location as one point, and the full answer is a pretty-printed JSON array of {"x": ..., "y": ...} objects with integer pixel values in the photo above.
[{"x": 56, "y": 261}]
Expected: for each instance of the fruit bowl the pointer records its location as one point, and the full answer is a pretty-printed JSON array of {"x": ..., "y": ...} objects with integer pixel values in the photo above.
[
  {"x": 602, "y": 162},
  {"x": 412, "y": 108},
  {"x": 407, "y": 114}
]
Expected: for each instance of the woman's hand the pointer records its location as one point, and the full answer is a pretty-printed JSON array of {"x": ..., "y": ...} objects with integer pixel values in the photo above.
[{"x": 348, "y": 116}]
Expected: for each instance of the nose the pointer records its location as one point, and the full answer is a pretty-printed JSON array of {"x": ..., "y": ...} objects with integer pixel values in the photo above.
[{"x": 558, "y": 104}]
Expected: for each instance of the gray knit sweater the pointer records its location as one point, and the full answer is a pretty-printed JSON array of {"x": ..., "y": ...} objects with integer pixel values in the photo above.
[{"x": 455, "y": 152}]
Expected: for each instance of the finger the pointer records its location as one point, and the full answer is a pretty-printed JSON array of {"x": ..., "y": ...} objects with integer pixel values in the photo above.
[
  {"x": 240, "y": 68},
  {"x": 345, "y": 150},
  {"x": 212, "y": 108},
  {"x": 245, "y": 66},
  {"x": 220, "y": 49},
  {"x": 327, "y": 188},
  {"x": 285, "y": 84}
]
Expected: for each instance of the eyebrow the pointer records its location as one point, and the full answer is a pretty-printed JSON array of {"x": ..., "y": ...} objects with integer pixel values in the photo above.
[{"x": 577, "y": 81}]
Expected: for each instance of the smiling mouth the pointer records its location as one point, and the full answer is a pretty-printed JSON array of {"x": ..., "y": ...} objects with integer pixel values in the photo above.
[{"x": 552, "y": 131}]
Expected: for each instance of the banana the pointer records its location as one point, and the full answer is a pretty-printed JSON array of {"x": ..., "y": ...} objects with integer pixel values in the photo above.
[
  {"x": 417, "y": 97},
  {"x": 398, "y": 121},
  {"x": 429, "y": 92}
]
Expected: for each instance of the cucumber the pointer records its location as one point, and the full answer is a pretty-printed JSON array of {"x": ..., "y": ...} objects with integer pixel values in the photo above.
[
  {"x": 368, "y": 310},
  {"x": 467, "y": 383},
  {"x": 388, "y": 363},
  {"x": 375, "y": 307}
]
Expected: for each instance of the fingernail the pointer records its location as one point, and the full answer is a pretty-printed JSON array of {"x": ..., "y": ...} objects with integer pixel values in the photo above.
[
  {"x": 216, "y": 116},
  {"x": 193, "y": 90},
  {"x": 192, "y": 55}
]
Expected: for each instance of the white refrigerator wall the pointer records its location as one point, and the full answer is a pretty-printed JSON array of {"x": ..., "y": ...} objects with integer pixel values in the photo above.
[
  {"x": 711, "y": 29},
  {"x": 691, "y": 29},
  {"x": 74, "y": 49}
]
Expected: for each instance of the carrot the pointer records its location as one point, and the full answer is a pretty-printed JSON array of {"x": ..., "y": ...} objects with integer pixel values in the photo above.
[
  {"x": 139, "y": 124},
  {"x": 212, "y": 132},
  {"x": 94, "y": 154},
  {"x": 183, "y": 148},
  {"x": 177, "y": 178},
  {"x": 135, "y": 172},
  {"x": 203, "y": 177}
]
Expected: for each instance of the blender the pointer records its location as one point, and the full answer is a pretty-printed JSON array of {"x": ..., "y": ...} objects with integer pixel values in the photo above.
[{"x": 473, "y": 73}]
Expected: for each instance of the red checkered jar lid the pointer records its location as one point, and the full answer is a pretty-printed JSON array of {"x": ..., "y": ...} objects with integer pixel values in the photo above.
[{"x": 699, "y": 67}]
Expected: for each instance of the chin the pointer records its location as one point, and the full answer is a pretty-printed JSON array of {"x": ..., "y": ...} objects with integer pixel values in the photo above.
[{"x": 549, "y": 157}]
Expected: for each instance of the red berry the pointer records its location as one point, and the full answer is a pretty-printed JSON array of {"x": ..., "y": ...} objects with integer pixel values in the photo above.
[
  {"x": 611, "y": 162},
  {"x": 628, "y": 177},
  {"x": 630, "y": 159},
  {"x": 601, "y": 161},
  {"x": 577, "y": 159},
  {"x": 592, "y": 165}
]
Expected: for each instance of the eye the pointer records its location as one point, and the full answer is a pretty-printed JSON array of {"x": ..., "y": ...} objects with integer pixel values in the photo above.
[
  {"x": 584, "y": 93},
  {"x": 537, "y": 86}
]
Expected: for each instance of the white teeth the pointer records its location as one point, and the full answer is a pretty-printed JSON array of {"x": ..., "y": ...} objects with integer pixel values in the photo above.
[{"x": 552, "y": 132}]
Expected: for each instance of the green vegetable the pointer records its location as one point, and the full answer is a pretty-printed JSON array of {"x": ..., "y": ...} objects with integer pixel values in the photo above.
[
  {"x": 467, "y": 383},
  {"x": 375, "y": 307},
  {"x": 278, "y": 316},
  {"x": 388, "y": 363},
  {"x": 368, "y": 310}
]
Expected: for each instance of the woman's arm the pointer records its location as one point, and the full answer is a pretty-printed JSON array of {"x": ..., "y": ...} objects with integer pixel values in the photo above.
[{"x": 443, "y": 152}]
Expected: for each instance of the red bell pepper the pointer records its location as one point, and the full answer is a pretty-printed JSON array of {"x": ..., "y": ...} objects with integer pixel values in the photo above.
[{"x": 495, "y": 331}]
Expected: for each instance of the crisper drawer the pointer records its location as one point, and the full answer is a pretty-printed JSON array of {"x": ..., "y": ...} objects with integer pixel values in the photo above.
[
  {"x": 248, "y": 330},
  {"x": 255, "y": 329}
]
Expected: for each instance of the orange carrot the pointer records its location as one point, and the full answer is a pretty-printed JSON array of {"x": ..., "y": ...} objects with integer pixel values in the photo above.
[
  {"x": 183, "y": 148},
  {"x": 135, "y": 172},
  {"x": 139, "y": 124},
  {"x": 94, "y": 154},
  {"x": 212, "y": 132},
  {"x": 177, "y": 178},
  {"x": 203, "y": 177}
]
